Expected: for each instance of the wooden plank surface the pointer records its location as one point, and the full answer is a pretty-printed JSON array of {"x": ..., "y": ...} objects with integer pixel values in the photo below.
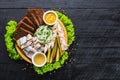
[
  {"x": 60, "y": 4},
  {"x": 96, "y": 49}
]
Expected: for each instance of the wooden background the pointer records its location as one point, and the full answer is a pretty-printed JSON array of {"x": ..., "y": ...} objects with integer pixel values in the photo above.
[{"x": 96, "y": 50}]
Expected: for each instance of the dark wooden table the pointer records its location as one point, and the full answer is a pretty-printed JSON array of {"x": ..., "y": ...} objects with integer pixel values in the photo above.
[{"x": 96, "y": 49}]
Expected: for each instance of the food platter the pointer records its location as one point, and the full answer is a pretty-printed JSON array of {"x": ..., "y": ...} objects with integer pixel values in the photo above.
[
  {"x": 22, "y": 54},
  {"x": 32, "y": 28}
]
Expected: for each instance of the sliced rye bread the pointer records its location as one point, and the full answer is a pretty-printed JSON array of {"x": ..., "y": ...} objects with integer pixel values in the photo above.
[
  {"x": 29, "y": 23},
  {"x": 35, "y": 16}
]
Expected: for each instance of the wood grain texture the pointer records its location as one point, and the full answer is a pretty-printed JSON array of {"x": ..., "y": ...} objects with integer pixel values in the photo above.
[
  {"x": 60, "y": 4},
  {"x": 96, "y": 49}
]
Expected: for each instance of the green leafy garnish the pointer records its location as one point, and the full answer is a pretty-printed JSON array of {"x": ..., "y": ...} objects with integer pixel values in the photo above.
[{"x": 10, "y": 29}]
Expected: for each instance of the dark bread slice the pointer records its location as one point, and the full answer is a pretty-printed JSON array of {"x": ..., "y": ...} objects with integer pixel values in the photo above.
[
  {"x": 39, "y": 18},
  {"x": 29, "y": 22},
  {"x": 38, "y": 15},
  {"x": 40, "y": 12},
  {"x": 26, "y": 23},
  {"x": 32, "y": 20},
  {"x": 35, "y": 19},
  {"x": 20, "y": 32},
  {"x": 32, "y": 17},
  {"x": 24, "y": 27},
  {"x": 27, "y": 27}
]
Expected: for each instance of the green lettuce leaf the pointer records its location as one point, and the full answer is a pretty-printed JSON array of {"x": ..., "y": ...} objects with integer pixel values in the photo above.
[{"x": 10, "y": 29}]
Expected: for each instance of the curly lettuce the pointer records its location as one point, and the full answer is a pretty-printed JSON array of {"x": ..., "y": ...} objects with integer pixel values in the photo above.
[
  {"x": 9, "y": 42},
  {"x": 10, "y": 29}
]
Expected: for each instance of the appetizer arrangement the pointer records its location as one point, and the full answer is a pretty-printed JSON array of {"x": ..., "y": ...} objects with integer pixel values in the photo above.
[{"x": 41, "y": 38}]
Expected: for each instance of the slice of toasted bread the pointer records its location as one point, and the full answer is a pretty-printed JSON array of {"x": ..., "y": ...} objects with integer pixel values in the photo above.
[
  {"x": 21, "y": 52},
  {"x": 36, "y": 15},
  {"x": 20, "y": 33}
]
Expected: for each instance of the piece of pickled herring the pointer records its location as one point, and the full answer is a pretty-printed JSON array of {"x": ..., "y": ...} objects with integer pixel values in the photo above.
[
  {"x": 29, "y": 37},
  {"x": 22, "y": 40}
]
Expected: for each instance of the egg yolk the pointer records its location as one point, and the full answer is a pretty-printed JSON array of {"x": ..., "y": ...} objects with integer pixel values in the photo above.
[{"x": 50, "y": 18}]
